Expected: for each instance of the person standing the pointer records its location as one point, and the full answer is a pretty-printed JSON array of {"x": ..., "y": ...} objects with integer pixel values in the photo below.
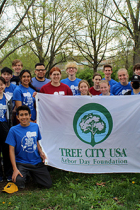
[
  {"x": 108, "y": 71},
  {"x": 6, "y": 73},
  {"x": 5, "y": 123},
  {"x": 123, "y": 86},
  {"x": 23, "y": 94},
  {"x": 17, "y": 67},
  {"x": 39, "y": 80},
  {"x": 136, "y": 69},
  {"x": 95, "y": 90},
  {"x": 55, "y": 86},
  {"x": 71, "y": 80},
  {"x": 135, "y": 83}
]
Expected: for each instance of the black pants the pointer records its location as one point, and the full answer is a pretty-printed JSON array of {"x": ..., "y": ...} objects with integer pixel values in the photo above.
[
  {"x": 38, "y": 172},
  {"x": 4, "y": 148}
]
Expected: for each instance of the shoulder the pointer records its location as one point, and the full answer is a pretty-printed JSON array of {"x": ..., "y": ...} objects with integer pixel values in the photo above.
[
  {"x": 78, "y": 79},
  {"x": 13, "y": 86},
  {"x": 7, "y": 96},
  {"x": 64, "y": 80}
]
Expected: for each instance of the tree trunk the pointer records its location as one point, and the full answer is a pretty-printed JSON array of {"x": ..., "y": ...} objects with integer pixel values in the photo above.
[{"x": 136, "y": 57}]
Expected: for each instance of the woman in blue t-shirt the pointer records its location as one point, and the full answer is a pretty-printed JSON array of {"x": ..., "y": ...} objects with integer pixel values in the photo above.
[
  {"x": 105, "y": 88},
  {"x": 5, "y": 119},
  {"x": 23, "y": 94}
]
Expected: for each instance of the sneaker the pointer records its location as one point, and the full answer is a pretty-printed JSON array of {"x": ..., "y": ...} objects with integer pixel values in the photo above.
[
  {"x": 9, "y": 178},
  {"x": 1, "y": 179}
]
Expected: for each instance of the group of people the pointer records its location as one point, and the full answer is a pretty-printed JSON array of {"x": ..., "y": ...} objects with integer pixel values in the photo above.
[{"x": 19, "y": 145}]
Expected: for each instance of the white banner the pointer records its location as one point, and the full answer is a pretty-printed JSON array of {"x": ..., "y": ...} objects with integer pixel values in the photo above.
[{"x": 99, "y": 134}]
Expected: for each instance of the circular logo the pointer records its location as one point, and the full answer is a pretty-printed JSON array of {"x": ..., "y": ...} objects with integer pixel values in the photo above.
[{"x": 92, "y": 123}]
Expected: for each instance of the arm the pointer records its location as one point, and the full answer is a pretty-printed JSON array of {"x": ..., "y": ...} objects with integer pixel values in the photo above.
[
  {"x": 18, "y": 103},
  {"x": 16, "y": 172},
  {"x": 42, "y": 154}
]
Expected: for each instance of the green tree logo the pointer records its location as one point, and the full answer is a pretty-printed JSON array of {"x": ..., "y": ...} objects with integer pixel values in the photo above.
[{"x": 92, "y": 123}]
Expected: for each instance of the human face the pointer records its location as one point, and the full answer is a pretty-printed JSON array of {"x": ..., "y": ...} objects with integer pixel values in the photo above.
[
  {"x": 55, "y": 77},
  {"x": 104, "y": 89},
  {"x": 6, "y": 76},
  {"x": 83, "y": 88},
  {"x": 107, "y": 72},
  {"x": 71, "y": 71},
  {"x": 96, "y": 80},
  {"x": 17, "y": 68},
  {"x": 123, "y": 77},
  {"x": 24, "y": 118},
  {"x": 40, "y": 72},
  {"x": 25, "y": 80},
  {"x": 2, "y": 87},
  {"x": 137, "y": 72}
]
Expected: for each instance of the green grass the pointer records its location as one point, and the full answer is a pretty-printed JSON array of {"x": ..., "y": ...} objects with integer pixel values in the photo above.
[{"x": 73, "y": 191}]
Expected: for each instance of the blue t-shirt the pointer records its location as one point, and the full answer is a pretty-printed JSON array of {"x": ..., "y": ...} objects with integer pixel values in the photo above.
[
  {"x": 3, "y": 109},
  {"x": 24, "y": 140},
  {"x": 120, "y": 89},
  {"x": 73, "y": 85},
  {"x": 38, "y": 84},
  {"x": 25, "y": 95},
  {"x": 9, "y": 90},
  {"x": 111, "y": 83}
]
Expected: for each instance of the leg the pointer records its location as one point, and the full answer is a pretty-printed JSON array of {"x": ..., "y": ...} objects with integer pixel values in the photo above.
[
  {"x": 5, "y": 149},
  {"x": 41, "y": 175},
  {"x": 20, "y": 181}
]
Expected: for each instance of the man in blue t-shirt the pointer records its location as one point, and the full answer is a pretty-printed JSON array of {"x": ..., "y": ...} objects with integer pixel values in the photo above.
[
  {"x": 25, "y": 151},
  {"x": 72, "y": 81},
  {"x": 123, "y": 86},
  {"x": 6, "y": 73},
  {"x": 108, "y": 71},
  {"x": 40, "y": 79}
]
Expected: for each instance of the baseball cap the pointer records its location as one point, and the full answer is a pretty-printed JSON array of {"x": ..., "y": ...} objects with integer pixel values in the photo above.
[
  {"x": 135, "y": 78},
  {"x": 10, "y": 188}
]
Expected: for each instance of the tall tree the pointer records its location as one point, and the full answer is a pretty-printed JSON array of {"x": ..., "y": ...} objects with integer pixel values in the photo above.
[
  {"x": 95, "y": 34},
  {"x": 48, "y": 24},
  {"x": 10, "y": 29},
  {"x": 128, "y": 16}
]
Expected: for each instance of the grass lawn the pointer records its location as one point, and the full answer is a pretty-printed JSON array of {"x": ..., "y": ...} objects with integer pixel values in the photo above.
[{"x": 77, "y": 191}]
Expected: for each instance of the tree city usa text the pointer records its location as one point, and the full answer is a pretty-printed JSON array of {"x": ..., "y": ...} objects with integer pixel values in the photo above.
[{"x": 108, "y": 155}]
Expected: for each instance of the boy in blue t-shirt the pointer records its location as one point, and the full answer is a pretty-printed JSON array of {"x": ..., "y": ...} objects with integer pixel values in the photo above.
[
  {"x": 108, "y": 71},
  {"x": 123, "y": 86},
  {"x": 25, "y": 152},
  {"x": 71, "y": 80},
  {"x": 6, "y": 73}
]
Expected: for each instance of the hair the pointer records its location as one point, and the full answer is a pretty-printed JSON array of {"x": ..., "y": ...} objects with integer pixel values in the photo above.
[
  {"x": 85, "y": 81},
  {"x": 55, "y": 69},
  {"x": 17, "y": 61},
  {"x": 23, "y": 107},
  {"x": 21, "y": 74},
  {"x": 123, "y": 69},
  {"x": 97, "y": 74},
  {"x": 136, "y": 66},
  {"x": 107, "y": 65},
  {"x": 104, "y": 81},
  {"x": 71, "y": 64},
  {"x": 3, "y": 80},
  {"x": 39, "y": 64},
  {"x": 6, "y": 69}
]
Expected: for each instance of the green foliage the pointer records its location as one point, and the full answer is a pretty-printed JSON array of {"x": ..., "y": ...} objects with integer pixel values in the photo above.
[{"x": 86, "y": 74}]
